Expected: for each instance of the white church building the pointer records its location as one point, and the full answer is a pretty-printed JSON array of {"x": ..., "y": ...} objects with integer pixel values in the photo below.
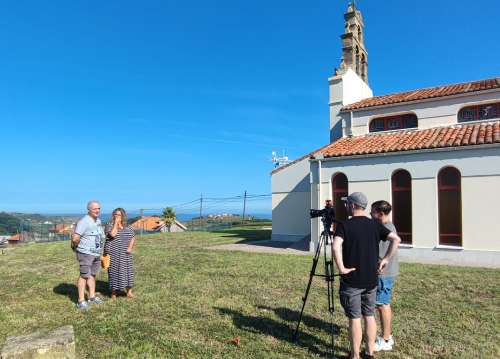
[{"x": 433, "y": 153}]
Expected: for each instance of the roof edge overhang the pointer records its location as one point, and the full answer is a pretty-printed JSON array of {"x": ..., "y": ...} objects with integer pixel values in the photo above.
[
  {"x": 429, "y": 99},
  {"x": 409, "y": 152}
]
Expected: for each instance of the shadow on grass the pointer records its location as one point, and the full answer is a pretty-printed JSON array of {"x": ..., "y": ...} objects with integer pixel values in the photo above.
[
  {"x": 283, "y": 331},
  {"x": 262, "y": 238},
  {"x": 246, "y": 234},
  {"x": 71, "y": 291},
  {"x": 293, "y": 316}
]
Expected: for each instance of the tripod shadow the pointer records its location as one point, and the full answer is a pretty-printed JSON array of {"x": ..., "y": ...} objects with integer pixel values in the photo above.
[
  {"x": 281, "y": 331},
  {"x": 71, "y": 291},
  {"x": 307, "y": 320}
]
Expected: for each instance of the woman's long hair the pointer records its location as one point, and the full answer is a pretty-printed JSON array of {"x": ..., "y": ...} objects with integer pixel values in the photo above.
[{"x": 124, "y": 216}]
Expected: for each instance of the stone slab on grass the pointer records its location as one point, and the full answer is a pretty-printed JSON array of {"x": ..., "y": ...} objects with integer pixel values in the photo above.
[{"x": 57, "y": 344}]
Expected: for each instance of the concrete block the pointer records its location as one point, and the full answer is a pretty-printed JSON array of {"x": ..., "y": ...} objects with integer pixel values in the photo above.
[{"x": 57, "y": 344}]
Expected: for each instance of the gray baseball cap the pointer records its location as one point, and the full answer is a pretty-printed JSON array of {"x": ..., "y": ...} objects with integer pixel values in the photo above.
[{"x": 357, "y": 198}]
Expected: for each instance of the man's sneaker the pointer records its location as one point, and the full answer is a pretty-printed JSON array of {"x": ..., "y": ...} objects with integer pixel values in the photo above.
[
  {"x": 96, "y": 300},
  {"x": 83, "y": 305},
  {"x": 382, "y": 344},
  {"x": 391, "y": 340}
]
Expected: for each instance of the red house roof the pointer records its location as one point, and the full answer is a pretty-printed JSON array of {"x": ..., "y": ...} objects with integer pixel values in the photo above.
[
  {"x": 15, "y": 237},
  {"x": 150, "y": 223},
  {"x": 426, "y": 93},
  {"x": 459, "y": 135}
]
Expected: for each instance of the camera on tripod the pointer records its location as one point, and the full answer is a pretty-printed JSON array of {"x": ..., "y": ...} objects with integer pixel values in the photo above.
[{"x": 327, "y": 215}]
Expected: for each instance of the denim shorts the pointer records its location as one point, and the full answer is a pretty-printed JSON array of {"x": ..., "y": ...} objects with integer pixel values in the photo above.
[{"x": 384, "y": 290}]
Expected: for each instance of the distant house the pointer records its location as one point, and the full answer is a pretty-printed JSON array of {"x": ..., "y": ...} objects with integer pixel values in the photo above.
[
  {"x": 155, "y": 224},
  {"x": 62, "y": 228},
  {"x": 175, "y": 227},
  {"x": 147, "y": 224},
  {"x": 16, "y": 238}
]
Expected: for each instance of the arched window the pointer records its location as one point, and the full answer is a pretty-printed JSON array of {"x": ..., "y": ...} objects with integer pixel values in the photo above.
[
  {"x": 450, "y": 206},
  {"x": 401, "y": 204},
  {"x": 398, "y": 122},
  {"x": 339, "y": 190},
  {"x": 480, "y": 112}
]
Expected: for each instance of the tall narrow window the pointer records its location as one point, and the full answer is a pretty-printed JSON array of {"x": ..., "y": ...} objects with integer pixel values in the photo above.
[
  {"x": 339, "y": 190},
  {"x": 401, "y": 204},
  {"x": 450, "y": 207}
]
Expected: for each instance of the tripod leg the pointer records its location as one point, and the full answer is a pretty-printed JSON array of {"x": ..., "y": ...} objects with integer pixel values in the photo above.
[
  {"x": 311, "y": 275},
  {"x": 330, "y": 275}
]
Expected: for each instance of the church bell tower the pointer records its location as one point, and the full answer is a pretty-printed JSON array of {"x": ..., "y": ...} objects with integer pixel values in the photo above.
[
  {"x": 349, "y": 83},
  {"x": 354, "y": 54}
]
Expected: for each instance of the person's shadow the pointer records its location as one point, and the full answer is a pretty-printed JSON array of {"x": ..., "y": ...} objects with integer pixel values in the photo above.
[
  {"x": 284, "y": 331},
  {"x": 71, "y": 291}
]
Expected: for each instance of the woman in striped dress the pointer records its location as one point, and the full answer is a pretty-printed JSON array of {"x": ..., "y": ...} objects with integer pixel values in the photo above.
[{"x": 119, "y": 244}]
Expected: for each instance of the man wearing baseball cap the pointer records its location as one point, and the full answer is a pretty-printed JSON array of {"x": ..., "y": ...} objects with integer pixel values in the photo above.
[{"x": 356, "y": 250}]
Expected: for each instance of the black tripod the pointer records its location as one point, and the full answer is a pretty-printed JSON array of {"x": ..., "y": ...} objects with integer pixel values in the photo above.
[{"x": 325, "y": 238}]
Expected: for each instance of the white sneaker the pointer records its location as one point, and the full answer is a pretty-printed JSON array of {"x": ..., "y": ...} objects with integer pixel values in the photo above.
[{"x": 381, "y": 344}]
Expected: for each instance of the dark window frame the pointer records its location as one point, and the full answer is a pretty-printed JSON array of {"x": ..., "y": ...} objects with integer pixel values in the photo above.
[
  {"x": 405, "y": 120},
  {"x": 343, "y": 191},
  {"x": 442, "y": 187},
  {"x": 476, "y": 112},
  {"x": 406, "y": 237}
]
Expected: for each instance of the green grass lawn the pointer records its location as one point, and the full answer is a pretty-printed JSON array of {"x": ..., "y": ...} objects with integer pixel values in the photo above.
[{"x": 192, "y": 301}]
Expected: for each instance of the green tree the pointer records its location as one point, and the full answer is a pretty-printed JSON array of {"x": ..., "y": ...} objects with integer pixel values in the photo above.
[
  {"x": 9, "y": 224},
  {"x": 168, "y": 217}
]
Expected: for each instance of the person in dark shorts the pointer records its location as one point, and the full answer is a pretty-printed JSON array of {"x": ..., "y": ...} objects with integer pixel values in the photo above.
[
  {"x": 355, "y": 250},
  {"x": 88, "y": 240},
  {"x": 380, "y": 211}
]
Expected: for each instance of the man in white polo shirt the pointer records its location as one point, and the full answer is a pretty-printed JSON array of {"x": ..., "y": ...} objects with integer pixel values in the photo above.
[{"x": 88, "y": 240}]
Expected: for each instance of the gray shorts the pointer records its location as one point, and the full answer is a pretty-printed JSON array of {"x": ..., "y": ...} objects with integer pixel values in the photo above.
[
  {"x": 357, "y": 301},
  {"x": 89, "y": 264}
]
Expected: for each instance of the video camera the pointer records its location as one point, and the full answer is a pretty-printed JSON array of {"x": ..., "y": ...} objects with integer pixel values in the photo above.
[{"x": 327, "y": 215}]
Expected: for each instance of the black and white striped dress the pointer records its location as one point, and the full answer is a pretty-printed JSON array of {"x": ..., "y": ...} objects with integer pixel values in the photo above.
[{"x": 121, "y": 268}]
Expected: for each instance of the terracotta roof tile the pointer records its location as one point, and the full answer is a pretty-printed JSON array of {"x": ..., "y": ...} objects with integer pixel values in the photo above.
[
  {"x": 146, "y": 223},
  {"x": 409, "y": 140},
  {"x": 15, "y": 237},
  {"x": 459, "y": 135},
  {"x": 427, "y": 93}
]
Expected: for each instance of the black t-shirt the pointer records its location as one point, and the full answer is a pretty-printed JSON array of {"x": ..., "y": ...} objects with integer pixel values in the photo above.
[{"x": 360, "y": 250}]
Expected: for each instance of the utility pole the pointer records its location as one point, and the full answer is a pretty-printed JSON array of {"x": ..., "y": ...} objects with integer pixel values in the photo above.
[
  {"x": 201, "y": 208},
  {"x": 244, "y": 205}
]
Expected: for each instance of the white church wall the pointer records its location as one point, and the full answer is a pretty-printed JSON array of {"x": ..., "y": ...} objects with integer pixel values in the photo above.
[
  {"x": 424, "y": 212},
  {"x": 480, "y": 215},
  {"x": 354, "y": 88},
  {"x": 291, "y": 197},
  {"x": 480, "y": 170},
  {"x": 440, "y": 112},
  {"x": 345, "y": 89}
]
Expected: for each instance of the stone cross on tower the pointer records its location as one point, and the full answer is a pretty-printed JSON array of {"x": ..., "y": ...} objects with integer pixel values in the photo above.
[{"x": 354, "y": 54}]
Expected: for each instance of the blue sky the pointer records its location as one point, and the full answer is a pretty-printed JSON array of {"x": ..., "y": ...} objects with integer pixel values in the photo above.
[{"x": 145, "y": 104}]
